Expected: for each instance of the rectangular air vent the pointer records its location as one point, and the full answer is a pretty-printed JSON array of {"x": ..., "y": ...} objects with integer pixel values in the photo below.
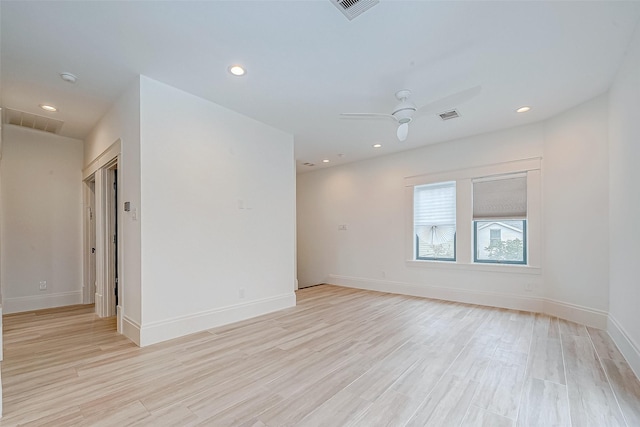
[
  {"x": 353, "y": 8},
  {"x": 448, "y": 115},
  {"x": 31, "y": 121}
]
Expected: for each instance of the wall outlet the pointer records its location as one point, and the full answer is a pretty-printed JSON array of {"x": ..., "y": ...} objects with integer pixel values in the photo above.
[
  {"x": 342, "y": 227},
  {"x": 43, "y": 285},
  {"x": 241, "y": 293}
]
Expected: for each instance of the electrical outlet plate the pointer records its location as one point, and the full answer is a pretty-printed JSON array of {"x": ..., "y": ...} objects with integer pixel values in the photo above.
[{"x": 43, "y": 285}]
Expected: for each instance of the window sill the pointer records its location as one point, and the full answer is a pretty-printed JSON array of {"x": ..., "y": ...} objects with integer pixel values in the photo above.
[{"x": 489, "y": 268}]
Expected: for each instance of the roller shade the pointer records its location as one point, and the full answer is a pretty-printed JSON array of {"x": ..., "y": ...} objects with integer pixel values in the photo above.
[{"x": 500, "y": 198}]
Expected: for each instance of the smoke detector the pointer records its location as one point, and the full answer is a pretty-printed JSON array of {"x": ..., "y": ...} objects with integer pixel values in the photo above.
[
  {"x": 353, "y": 8},
  {"x": 68, "y": 77}
]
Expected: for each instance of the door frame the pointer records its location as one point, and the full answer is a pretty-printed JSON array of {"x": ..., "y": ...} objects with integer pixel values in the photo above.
[
  {"x": 101, "y": 171},
  {"x": 89, "y": 231}
]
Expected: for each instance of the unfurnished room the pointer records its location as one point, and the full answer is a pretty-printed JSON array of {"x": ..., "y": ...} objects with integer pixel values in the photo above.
[{"x": 320, "y": 213}]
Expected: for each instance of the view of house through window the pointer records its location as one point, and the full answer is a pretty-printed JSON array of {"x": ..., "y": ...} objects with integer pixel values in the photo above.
[
  {"x": 500, "y": 241},
  {"x": 434, "y": 221}
]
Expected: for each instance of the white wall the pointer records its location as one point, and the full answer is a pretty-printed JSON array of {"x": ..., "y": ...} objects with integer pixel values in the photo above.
[
  {"x": 368, "y": 197},
  {"x": 217, "y": 215},
  {"x": 122, "y": 122},
  {"x": 576, "y": 217},
  {"x": 624, "y": 206},
  {"x": 41, "y": 220}
]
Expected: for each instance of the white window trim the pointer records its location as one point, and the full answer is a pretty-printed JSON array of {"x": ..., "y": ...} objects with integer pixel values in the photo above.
[{"x": 464, "y": 213}]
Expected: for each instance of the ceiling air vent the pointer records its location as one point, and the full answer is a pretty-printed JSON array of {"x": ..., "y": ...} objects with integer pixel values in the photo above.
[
  {"x": 448, "y": 115},
  {"x": 31, "y": 121},
  {"x": 308, "y": 164},
  {"x": 353, "y": 8}
]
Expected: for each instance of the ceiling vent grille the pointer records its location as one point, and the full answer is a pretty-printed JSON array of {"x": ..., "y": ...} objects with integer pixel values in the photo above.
[
  {"x": 31, "y": 121},
  {"x": 353, "y": 8},
  {"x": 448, "y": 115}
]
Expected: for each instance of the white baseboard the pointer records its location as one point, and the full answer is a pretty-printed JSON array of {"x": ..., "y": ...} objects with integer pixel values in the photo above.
[
  {"x": 514, "y": 302},
  {"x": 39, "y": 302},
  {"x": 164, "y": 330},
  {"x": 627, "y": 346},
  {"x": 131, "y": 329},
  {"x": 97, "y": 298},
  {"x": 575, "y": 313}
]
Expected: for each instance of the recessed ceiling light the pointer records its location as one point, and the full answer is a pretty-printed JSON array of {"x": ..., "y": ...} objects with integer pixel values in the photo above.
[
  {"x": 49, "y": 108},
  {"x": 68, "y": 77},
  {"x": 325, "y": 161},
  {"x": 377, "y": 145},
  {"x": 523, "y": 109},
  {"x": 237, "y": 70}
]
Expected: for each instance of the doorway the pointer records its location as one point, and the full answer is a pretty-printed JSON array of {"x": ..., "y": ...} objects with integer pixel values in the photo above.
[{"x": 102, "y": 239}]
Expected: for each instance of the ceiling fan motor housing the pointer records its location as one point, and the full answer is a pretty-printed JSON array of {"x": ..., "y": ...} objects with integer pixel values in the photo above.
[{"x": 404, "y": 111}]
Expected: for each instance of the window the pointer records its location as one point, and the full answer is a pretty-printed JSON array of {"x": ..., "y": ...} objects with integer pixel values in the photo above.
[
  {"x": 505, "y": 245},
  {"x": 500, "y": 219},
  {"x": 434, "y": 221},
  {"x": 495, "y": 236}
]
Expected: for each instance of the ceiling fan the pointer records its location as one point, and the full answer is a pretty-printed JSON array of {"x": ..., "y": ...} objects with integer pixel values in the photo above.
[{"x": 405, "y": 110}]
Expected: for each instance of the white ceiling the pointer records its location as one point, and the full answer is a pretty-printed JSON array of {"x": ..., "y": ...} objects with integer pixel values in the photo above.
[{"x": 307, "y": 63}]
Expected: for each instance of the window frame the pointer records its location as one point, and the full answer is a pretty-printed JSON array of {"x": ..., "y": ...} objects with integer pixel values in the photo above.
[{"x": 464, "y": 213}]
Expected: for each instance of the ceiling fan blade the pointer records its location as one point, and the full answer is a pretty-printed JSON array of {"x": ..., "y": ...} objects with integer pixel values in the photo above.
[
  {"x": 450, "y": 101},
  {"x": 367, "y": 115},
  {"x": 403, "y": 131}
]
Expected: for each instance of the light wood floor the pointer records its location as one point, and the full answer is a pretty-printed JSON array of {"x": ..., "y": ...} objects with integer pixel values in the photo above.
[{"x": 341, "y": 357}]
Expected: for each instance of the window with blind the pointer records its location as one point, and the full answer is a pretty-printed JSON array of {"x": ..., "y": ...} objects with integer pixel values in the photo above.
[
  {"x": 500, "y": 219},
  {"x": 434, "y": 221}
]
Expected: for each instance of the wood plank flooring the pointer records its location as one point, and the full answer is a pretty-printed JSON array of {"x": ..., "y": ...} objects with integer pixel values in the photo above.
[{"x": 341, "y": 357}]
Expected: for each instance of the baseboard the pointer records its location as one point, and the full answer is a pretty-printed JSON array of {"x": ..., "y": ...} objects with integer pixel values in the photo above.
[
  {"x": 131, "y": 329},
  {"x": 572, "y": 312},
  {"x": 576, "y": 313},
  {"x": 514, "y": 302},
  {"x": 39, "y": 302},
  {"x": 164, "y": 330},
  {"x": 627, "y": 346}
]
